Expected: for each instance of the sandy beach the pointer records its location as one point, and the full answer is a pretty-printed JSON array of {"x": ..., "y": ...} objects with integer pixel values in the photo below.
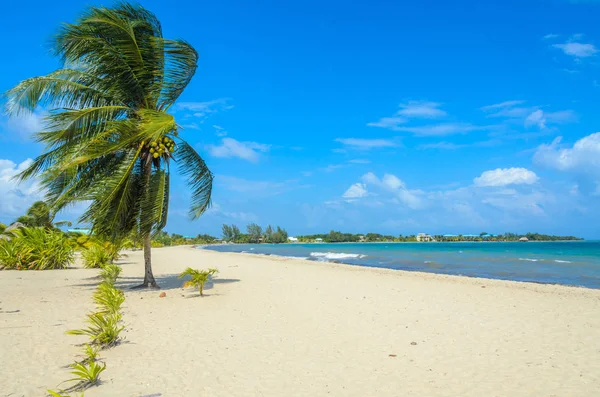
[{"x": 285, "y": 327}]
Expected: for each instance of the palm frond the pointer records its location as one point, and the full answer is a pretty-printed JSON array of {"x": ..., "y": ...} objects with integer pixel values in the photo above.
[{"x": 198, "y": 176}]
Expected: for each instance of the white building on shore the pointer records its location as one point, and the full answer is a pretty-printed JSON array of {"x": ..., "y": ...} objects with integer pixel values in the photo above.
[{"x": 424, "y": 237}]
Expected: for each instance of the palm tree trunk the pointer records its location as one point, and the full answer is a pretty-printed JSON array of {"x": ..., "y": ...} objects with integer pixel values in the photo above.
[{"x": 148, "y": 276}]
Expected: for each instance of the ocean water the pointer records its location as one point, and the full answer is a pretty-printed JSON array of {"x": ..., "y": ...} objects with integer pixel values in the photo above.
[{"x": 568, "y": 263}]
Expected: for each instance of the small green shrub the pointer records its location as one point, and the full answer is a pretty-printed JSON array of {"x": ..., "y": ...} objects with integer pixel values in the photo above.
[
  {"x": 108, "y": 298},
  {"x": 110, "y": 273},
  {"x": 91, "y": 353},
  {"x": 197, "y": 278},
  {"x": 104, "y": 328},
  {"x": 96, "y": 257},
  {"x": 36, "y": 248},
  {"x": 87, "y": 374}
]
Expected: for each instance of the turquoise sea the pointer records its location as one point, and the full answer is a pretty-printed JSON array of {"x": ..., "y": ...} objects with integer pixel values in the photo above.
[{"x": 568, "y": 263}]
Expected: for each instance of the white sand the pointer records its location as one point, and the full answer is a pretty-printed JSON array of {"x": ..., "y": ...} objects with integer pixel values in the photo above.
[{"x": 283, "y": 327}]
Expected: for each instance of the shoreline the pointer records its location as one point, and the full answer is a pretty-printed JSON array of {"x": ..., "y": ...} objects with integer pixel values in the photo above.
[
  {"x": 407, "y": 273},
  {"x": 356, "y": 260}
]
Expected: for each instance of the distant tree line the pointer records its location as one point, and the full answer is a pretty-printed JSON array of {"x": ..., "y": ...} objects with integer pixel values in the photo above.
[
  {"x": 339, "y": 237},
  {"x": 254, "y": 234},
  {"x": 164, "y": 239}
]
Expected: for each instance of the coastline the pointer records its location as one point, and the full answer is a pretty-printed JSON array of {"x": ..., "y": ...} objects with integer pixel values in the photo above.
[{"x": 275, "y": 326}]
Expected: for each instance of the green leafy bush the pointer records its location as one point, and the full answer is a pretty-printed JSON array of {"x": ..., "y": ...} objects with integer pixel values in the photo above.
[
  {"x": 36, "y": 248},
  {"x": 96, "y": 257}
]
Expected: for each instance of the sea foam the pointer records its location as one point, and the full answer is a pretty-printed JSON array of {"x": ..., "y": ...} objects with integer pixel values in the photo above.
[{"x": 335, "y": 255}]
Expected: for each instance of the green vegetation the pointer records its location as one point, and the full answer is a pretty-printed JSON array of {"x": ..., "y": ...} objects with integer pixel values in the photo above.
[
  {"x": 110, "y": 273},
  {"x": 96, "y": 257},
  {"x": 91, "y": 353},
  {"x": 109, "y": 135},
  {"x": 87, "y": 374},
  {"x": 339, "y": 237},
  {"x": 197, "y": 278},
  {"x": 36, "y": 248},
  {"x": 108, "y": 298},
  {"x": 40, "y": 215},
  {"x": 103, "y": 330},
  {"x": 254, "y": 235},
  {"x": 57, "y": 394}
]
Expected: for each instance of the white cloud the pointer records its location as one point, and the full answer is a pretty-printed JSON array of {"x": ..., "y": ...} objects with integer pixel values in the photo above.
[
  {"x": 505, "y": 177},
  {"x": 357, "y": 190},
  {"x": 583, "y": 157},
  {"x": 502, "y": 105},
  {"x": 453, "y": 146},
  {"x": 410, "y": 110},
  {"x": 391, "y": 183},
  {"x": 444, "y": 129},
  {"x": 230, "y": 147},
  {"x": 23, "y": 126},
  {"x": 390, "y": 123},
  {"x": 578, "y": 50},
  {"x": 421, "y": 109},
  {"x": 365, "y": 144},
  {"x": 536, "y": 118},
  {"x": 551, "y": 36},
  {"x": 220, "y": 130},
  {"x": 203, "y": 109},
  {"x": 360, "y": 161},
  {"x": 15, "y": 198}
]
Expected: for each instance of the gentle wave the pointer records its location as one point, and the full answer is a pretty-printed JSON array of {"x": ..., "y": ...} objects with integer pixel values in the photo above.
[
  {"x": 559, "y": 261},
  {"x": 335, "y": 255},
  {"x": 528, "y": 259}
]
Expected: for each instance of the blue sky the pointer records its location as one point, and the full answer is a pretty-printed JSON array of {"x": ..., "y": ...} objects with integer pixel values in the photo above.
[{"x": 384, "y": 116}]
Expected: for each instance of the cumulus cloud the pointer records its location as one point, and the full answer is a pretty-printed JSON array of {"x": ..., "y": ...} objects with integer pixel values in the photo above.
[
  {"x": 230, "y": 148},
  {"x": 357, "y": 190},
  {"x": 583, "y": 157},
  {"x": 394, "y": 185},
  {"x": 505, "y": 177}
]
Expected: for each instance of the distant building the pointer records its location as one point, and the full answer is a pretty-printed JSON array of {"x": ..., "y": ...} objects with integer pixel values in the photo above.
[
  {"x": 319, "y": 240},
  {"x": 362, "y": 238},
  {"x": 424, "y": 237},
  {"x": 524, "y": 239},
  {"x": 293, "y": 239}
]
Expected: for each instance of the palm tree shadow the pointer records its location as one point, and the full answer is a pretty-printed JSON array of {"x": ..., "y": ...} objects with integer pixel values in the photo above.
[{"x": 167, "y": 282}]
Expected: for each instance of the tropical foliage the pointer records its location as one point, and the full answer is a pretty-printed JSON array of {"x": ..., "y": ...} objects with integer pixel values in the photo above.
[
  {"x": 109, "y": 137},
  {"x": 254, "y": 234},
  {"x": 96, "y": 257},
  {"x": 197, "y": 278},
  {"x": 36, "y": 248},
  {"x": 40, "y": 215}
]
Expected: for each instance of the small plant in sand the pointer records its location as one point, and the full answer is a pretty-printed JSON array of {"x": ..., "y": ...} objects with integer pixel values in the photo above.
[
  {"x": 104, "y": 329},
  {"x": 197, "y": 278},
  {"x": 96, "y": 257},
  {"x": 110, "y": 273},
  {"x": 91, "y": 353},
  {"x": 87, "y": 374},
  {"x": 108, "y": 298}
]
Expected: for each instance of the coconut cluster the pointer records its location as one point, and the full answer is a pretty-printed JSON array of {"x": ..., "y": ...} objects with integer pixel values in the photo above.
[{"x": 160, "y": 147}]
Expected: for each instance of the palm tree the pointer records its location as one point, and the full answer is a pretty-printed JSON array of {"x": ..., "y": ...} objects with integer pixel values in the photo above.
[
  {"x": 40, "y": 215},
  {"x": 109, "y": 137}
]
